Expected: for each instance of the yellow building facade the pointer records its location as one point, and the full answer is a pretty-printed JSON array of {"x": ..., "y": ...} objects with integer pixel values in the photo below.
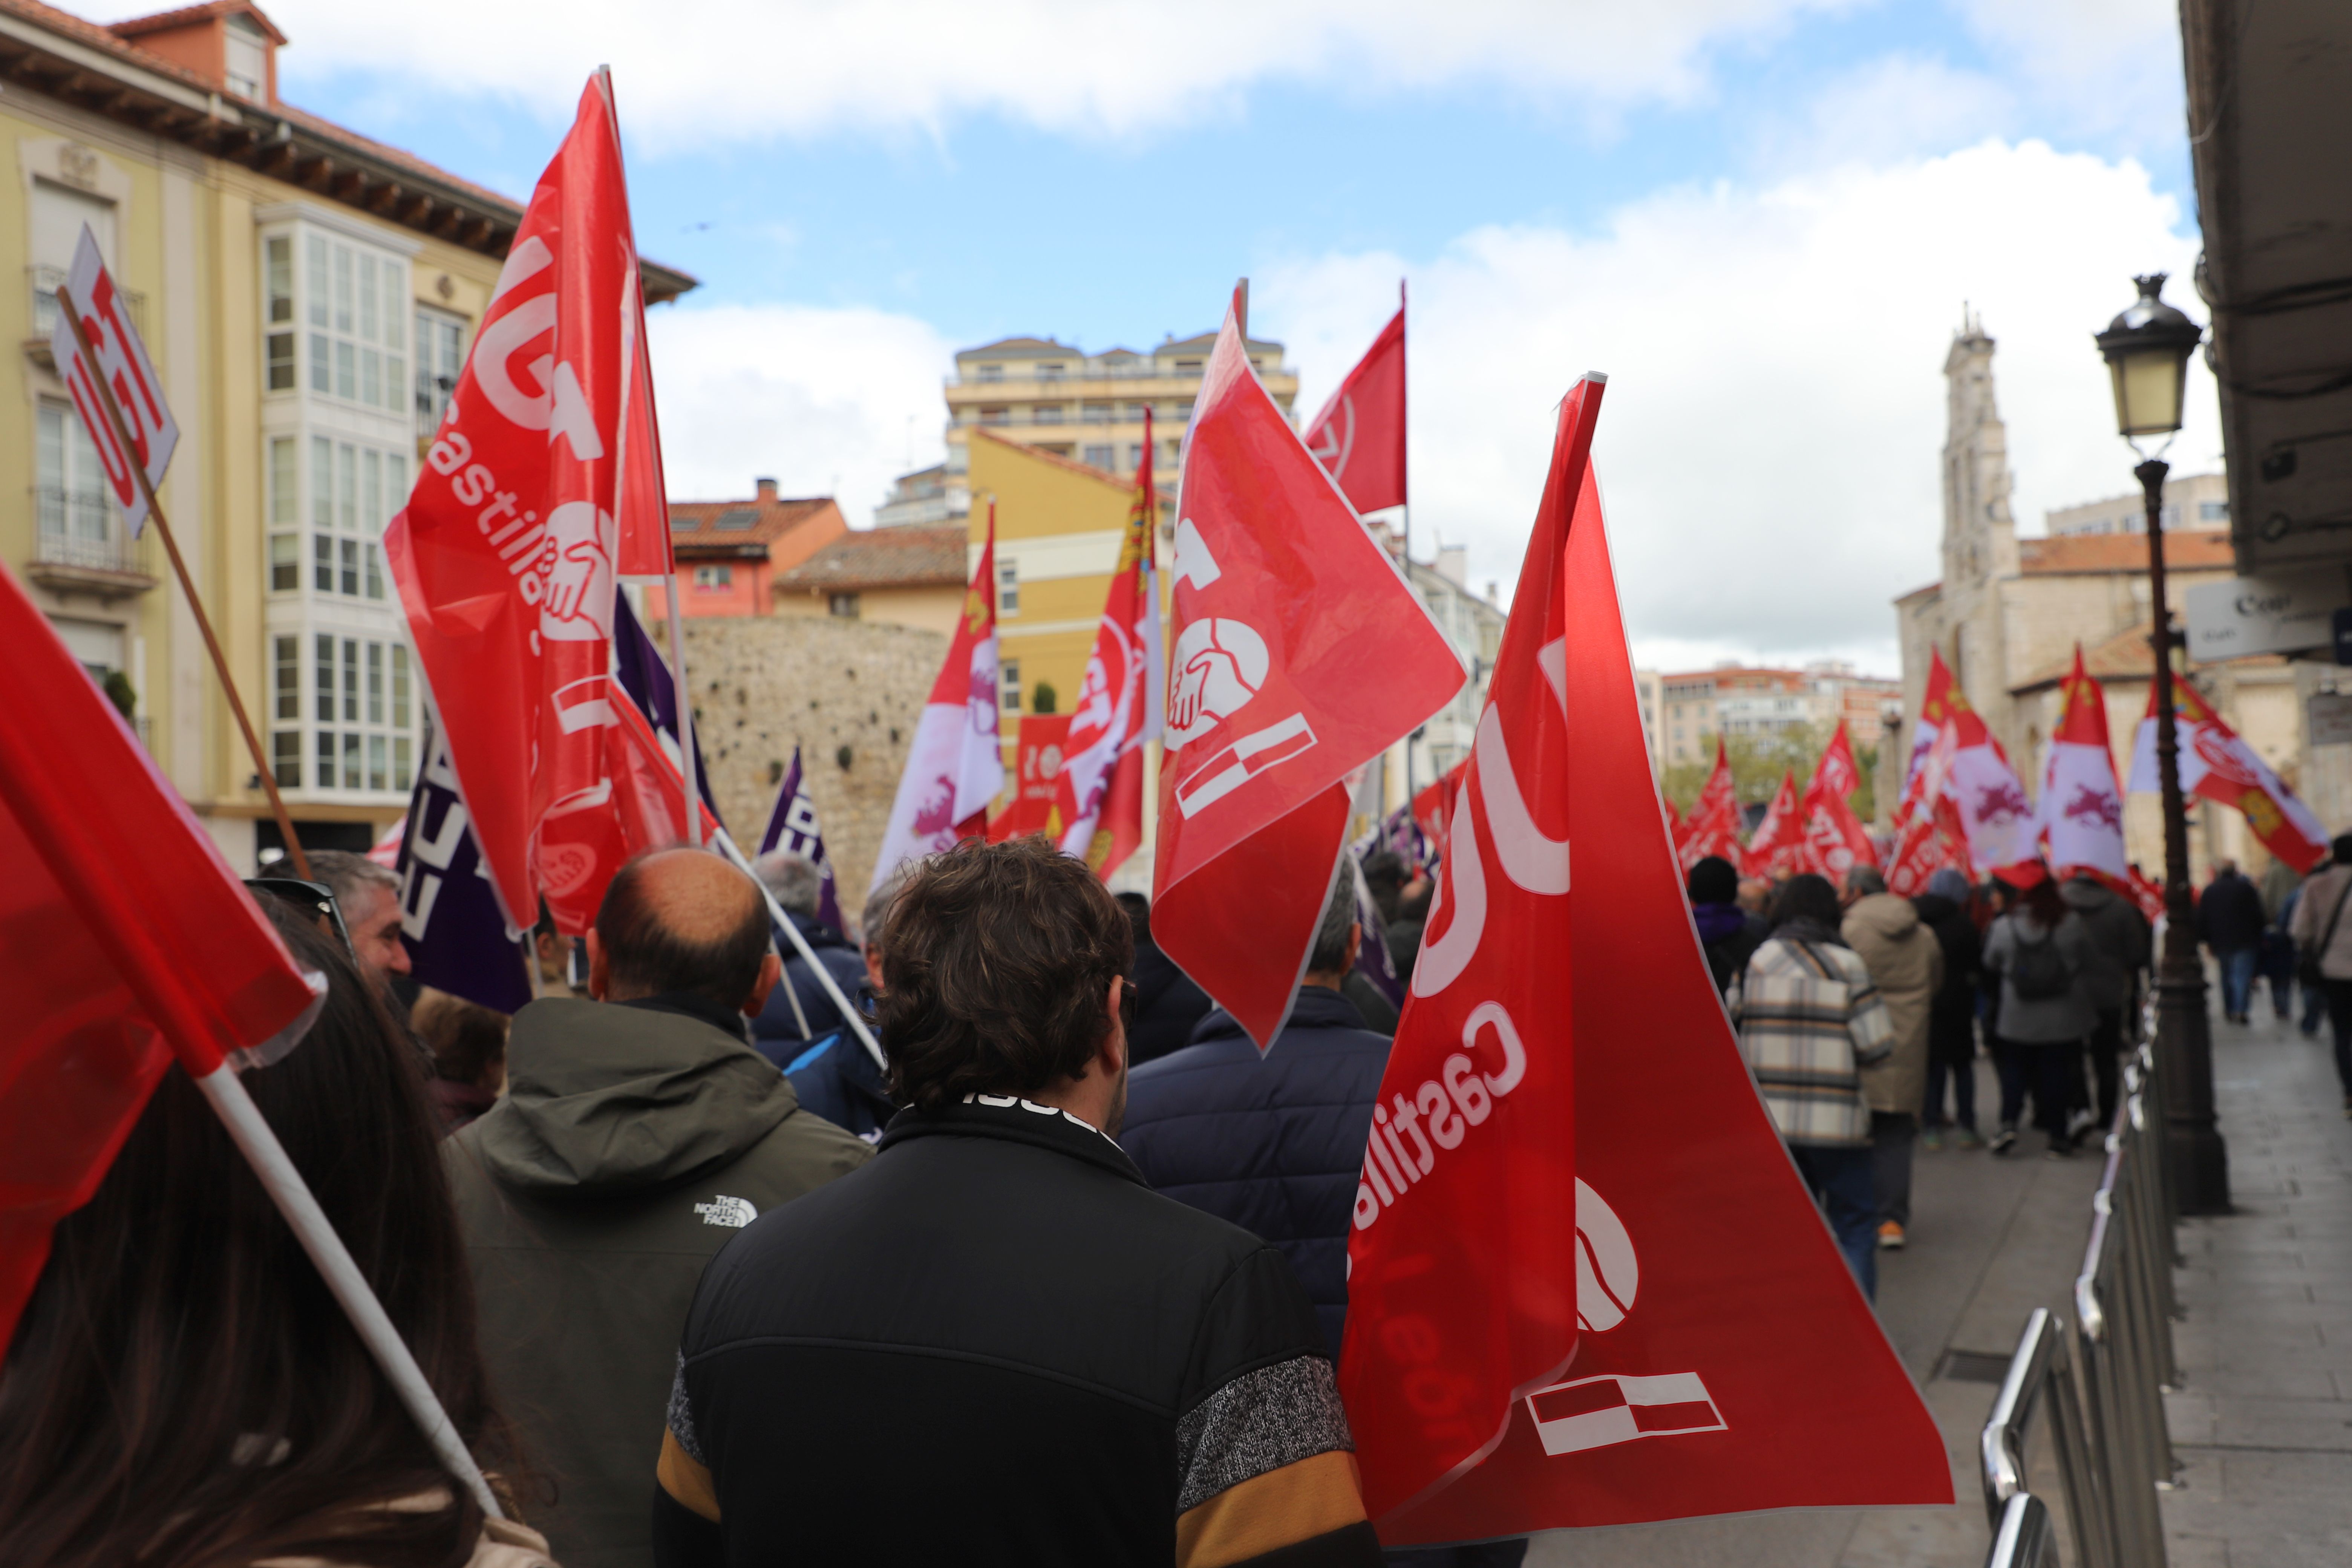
[{"x": 307, "y": 297}]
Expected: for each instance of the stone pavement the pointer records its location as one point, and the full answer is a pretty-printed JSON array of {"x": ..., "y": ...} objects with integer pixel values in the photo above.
[
  {"x": 2263, "y": 1421},
  {"x": 1991, "y": 1240}
]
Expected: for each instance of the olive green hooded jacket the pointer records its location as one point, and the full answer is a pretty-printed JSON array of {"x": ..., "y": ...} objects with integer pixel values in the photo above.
[{"x": 635, "y": 1139}]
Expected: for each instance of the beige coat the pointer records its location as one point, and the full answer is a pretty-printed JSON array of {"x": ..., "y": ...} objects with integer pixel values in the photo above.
[{"x": 1906, "y": 963}]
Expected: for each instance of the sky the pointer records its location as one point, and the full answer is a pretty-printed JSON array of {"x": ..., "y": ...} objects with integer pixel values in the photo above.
[{"x": 1762, "y": 218}]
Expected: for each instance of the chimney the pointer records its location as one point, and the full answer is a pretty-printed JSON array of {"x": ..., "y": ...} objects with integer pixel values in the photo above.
[{"x": 767, "y": 488}]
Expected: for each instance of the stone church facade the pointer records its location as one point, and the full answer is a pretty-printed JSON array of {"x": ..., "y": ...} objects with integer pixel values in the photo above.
[{"x": 2008, "y": 614}]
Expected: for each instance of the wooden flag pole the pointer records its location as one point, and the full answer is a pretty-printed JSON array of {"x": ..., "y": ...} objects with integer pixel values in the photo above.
[{"x": 72, "y": 313}]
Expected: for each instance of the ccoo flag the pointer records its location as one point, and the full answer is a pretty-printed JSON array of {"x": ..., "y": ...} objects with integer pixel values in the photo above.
[
  {"x": 1835, "y": 840},
  {"x": 1359, "y": 438},
  {"x": 1777, "y": 847},
  {"x": 1724, "y": 1361},
  {"x": 1281, "y": 601},
  {"x": 955, "y": 764}
]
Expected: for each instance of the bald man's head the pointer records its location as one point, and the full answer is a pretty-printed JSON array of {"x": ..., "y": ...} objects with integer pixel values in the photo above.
[{"x": 683, "y": 920}]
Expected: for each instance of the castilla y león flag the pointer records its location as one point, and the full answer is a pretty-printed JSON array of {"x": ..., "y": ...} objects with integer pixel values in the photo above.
[
  {"x": 540, "y": 487},
  {"x": 1359, "y": 438},
  {"x": 955, "y": 763},
  {"x": 1644, "y": 1317},
  {"x": 2216, "y": 763},
  {"x": 1281, "y": 601},
  {"x": 128, "y": 943},
  {"x": 2081, "y": 804}
]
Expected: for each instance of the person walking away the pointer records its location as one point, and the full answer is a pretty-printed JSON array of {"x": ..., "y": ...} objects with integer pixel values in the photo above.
[
  {"x": 2119, "y": 947},
  {"x": 1907, "y": 964},
  {"x": 837, "y": 1078},
  {"x": 1167, "y": 1004},
  {"x": 2323, "y": 936},
  {"x": 469, "y": 1044},
  {"x": 639, "y": 1133},
  {"x": 1405, "y": 931},
  {"x": 2230, "y": 924},
  {"x": 777, "y": 1033},
  {"x": 181, "y": 1387},
  {"x": 1810, "y": 1020},
  {"x": 2279, "y": 885},
  {"x": 2039, "y": 951},
  {"x": 2306, "y": 974},
  {"x": 1952, "y": 1017},
  {"x": 1727, "y": 930},
  {"x": 1063, "y": 1367}
]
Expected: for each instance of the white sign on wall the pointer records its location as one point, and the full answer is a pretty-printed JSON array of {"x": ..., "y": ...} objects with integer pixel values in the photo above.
[{"x": 2281, "y": 613}]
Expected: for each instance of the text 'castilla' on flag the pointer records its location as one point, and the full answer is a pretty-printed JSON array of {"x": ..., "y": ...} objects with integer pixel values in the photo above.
[
  {"x": 1280, "y": 602},
  {"x": 1528, "y": 1193}
]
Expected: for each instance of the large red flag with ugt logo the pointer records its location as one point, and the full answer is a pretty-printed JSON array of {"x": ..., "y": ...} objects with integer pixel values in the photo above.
[
  {"x": 1617, "y": 1305},
  {"x": 531, "y": 497},
  {"x": 1281, "y": 603}
]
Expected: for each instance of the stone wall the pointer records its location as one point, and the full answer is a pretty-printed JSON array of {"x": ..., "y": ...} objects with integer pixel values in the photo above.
[{"x": 846, "y": 692}]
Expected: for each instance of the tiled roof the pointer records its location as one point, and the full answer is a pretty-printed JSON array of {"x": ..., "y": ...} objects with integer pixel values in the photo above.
[
  {"x": 735, "y": 530},
  {"x": 156, "y": 22},
  {"x": 2185, "y": 550},
  {"x": 884, "y": 558},
  {"x": 254, "y": 135},
  {"x": 1020, "y": 345},
  {"x": 2121, "y": 656}
]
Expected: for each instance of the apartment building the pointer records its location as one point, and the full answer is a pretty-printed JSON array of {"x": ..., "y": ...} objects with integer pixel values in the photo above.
[
  {"x": 1088, "y": 408},
  {"x": 1734, "y": 700},
  {"x": 2193, "y": 501},
  {"x": 307, "y": 295},
  {"x": 729, "y": 553}
]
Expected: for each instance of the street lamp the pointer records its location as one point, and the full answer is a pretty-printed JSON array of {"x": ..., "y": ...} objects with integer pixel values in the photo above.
[{"x": 2147, "y": 350}]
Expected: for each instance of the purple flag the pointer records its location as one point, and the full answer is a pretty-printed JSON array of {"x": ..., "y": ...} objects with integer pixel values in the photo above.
[
  {"x": 791, "y": 827},
  {"x": 1372, "y": 959},
  {"x": 646, "y": 678},
  {"x": 458, "y": 941}
]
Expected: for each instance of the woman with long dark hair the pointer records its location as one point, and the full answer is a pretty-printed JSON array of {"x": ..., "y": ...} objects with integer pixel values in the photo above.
[
  {"x": 183, "y": 1392},
  {"x": 2038, "y": 949}
]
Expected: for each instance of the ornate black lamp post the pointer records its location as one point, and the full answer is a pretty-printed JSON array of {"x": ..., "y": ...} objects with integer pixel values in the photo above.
[{"x": 2148, "y": 348}]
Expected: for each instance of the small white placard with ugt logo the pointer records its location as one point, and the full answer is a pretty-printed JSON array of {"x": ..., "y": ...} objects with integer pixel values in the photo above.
[
  {"x": 129, "y": 375},
  {"x": 1596, "y": 1411}
]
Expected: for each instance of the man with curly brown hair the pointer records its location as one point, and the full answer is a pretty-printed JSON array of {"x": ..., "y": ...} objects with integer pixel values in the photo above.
[{"x": 995, "y": 1343}]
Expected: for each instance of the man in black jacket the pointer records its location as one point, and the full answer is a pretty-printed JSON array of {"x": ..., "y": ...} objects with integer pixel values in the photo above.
[
  {"x": 1167, "y": 1004},
  {"x": 2230, "y": 922},
  {"x": 800, "y": 1011},
  {"x": 995, "y": 1343},
  {"x": 1276, "y": 1145},
  {"x": 1952, "y": 1013}
]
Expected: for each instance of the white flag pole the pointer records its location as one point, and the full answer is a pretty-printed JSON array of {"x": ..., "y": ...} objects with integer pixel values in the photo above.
[
  {"x": 293, "y": 1197},
  {"x": 726, "y": 846}
]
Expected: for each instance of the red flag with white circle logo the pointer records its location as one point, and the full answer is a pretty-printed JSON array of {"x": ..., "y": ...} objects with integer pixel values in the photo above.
[
  {"x": 1586, "y": 1284},
  {"x": 1359, "y": 438},
  {"x": 1280, "y": 604},
  {"x": 540, "y": 486}
]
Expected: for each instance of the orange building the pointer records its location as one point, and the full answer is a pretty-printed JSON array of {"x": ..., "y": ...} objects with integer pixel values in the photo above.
[{"x": 729, "y": 551}]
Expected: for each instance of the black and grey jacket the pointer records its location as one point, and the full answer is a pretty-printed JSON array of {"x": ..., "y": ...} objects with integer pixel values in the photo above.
[{"x": 995, "y": 1344}]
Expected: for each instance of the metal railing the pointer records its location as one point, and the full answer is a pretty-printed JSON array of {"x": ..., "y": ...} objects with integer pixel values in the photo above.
[{"x": 2101, "y": 1383}]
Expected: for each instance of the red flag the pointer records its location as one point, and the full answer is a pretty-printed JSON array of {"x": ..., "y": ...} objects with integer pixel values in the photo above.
[
  {"x": 1777, "y": 848},
  {"x": 1676, "y": 829},
  {"x": 1360, "y": 435},
  {"x": 1714, "y": 824},
  {"x": 1101, "y": 790},
  {"x": 2147, "y": 894},
  {"x": 1835, "y": 840},
  {"x": 129, "y": 941},
  {"x": 1724, "y": 1360},
  {"x": 1282, "y": 601},
  {"x": 2216, "y": 763},
  {"x": 1040, "y": 760},
  {"x": 506, "y": 551},
  {"x": 2082, "y": 806},
  {"x": 955, "y": 764},
  {"x": 1432, "y": 805}
]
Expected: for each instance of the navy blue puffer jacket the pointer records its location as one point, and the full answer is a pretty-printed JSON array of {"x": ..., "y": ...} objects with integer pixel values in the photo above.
[{"x": 1275, "y": 1146}]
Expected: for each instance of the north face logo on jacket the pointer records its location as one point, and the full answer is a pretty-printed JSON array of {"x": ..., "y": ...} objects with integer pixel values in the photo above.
[{"x": 733, "y": 1213}]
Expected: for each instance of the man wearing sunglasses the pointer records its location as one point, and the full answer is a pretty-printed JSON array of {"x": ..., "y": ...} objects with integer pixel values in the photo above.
[{"x": 369, "y": 896}]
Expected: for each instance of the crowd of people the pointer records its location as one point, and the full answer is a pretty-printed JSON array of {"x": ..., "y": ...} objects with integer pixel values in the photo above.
[
  {"x": 703, "y": 1273},
  {"x": 1863, "y": 1013}
]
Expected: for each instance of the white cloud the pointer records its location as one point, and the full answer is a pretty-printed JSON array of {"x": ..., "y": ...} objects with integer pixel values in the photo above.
[
  {"x": 2097, "y": 67},
  {"x": 820, "y": 400},
  {"x": 1771, "y": 435},
  {"x": 726, "y": 69}
]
